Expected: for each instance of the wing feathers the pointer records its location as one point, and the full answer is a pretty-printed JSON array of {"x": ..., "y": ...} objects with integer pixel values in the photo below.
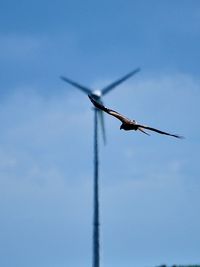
[
  {"x": 159, "y": 131},
  {"x": 109, "y": 111}
]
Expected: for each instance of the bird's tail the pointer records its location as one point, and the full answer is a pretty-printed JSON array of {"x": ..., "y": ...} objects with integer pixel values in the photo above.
[{"x": 142, "y": 130}]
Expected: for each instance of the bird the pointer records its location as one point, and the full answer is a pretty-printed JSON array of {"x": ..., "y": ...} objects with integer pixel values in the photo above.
[
  {"x": 98, "y": 94},
  {"x": 128, "y": 124}
]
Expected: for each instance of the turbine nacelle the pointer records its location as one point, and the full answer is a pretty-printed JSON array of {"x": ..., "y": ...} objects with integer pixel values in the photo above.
[{"x": 96, "y": 94}]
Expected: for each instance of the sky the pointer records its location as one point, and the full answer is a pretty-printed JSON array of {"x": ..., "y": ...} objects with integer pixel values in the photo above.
[{"x": 149, "y": 185}]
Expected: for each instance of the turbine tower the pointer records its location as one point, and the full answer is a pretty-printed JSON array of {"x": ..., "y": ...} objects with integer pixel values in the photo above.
[{"x": 98, "y": 117}]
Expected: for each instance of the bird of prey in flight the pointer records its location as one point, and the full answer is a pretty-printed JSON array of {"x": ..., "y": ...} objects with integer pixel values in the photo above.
[
  {"x": 128, "y": 124},
  {"x": 98, "y": 94}
]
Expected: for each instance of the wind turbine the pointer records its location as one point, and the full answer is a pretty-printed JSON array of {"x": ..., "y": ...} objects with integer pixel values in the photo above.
[{"x": 97, "y": 95}]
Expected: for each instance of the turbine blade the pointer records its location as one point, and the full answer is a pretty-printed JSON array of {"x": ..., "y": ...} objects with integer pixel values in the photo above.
[
  {"x": 102, "y": 123},
  {"x": 106, "y": 89},
  {"x": 77, "y": 85}
]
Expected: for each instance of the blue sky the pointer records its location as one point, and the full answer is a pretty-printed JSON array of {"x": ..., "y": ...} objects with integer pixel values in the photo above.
[{"x": 149, "y": 186}]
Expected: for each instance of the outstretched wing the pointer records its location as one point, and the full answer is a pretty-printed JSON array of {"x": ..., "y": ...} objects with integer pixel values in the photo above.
[
  {"x": 159, "y": 131},
  {"x": 109, "y": 111}
]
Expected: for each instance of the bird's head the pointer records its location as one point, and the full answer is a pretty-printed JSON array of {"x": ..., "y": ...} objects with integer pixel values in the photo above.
[{"x": 122, "y": 126}]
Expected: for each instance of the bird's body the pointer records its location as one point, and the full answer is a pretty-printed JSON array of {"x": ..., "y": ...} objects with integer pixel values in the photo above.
[{"x": 128, "y": 124}]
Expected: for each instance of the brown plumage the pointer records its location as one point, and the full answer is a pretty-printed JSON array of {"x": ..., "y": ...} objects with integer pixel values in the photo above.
[{"x": 128, "y": 124}]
